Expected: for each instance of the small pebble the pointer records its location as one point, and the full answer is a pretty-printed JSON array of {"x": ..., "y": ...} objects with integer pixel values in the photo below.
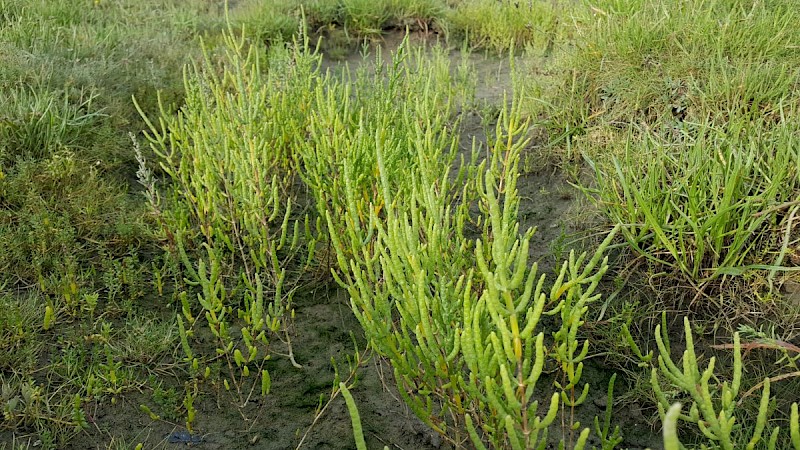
[{"x": 601, "y": 402}]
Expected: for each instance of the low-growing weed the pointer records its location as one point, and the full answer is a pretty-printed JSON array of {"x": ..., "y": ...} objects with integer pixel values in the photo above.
[
  {"x": 500, "y": 25},
  {"x": 37, "y": 123},
  {"x": 20, "y": 324}
]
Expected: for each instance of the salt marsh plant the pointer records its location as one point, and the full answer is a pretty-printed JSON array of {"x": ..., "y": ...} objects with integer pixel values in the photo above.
[
  {"x": 369, "y": 18},
  {"x": 456, "y": 314},
  {"x": 500, "y": 25},
  {"x": 406, "y": 106},
  {"x": 399, "y": 220},
  {"x": 713, "y": 404},
  {"x": 232, "y": 203},
  {"x": 721, "y": 203}
]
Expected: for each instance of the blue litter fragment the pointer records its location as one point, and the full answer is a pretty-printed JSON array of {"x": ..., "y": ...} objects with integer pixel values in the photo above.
[{"x": 184, "y": 437}]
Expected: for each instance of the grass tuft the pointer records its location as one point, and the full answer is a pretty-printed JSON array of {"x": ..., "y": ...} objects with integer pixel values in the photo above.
[{"x": 500, "y": 25}]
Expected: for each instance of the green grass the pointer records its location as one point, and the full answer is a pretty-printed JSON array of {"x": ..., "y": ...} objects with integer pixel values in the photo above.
[
  {"x": 499, "y": 25},
  {"x": 66, "y": 111},
  {"x": 661, "y": 63},
  {"x": 685, "y": 112},
  {"x": 20, "y": 322},
  {"x": 493, "y": 25},
  {"x": 658, "y": 65},
  {"x": 715, "y": 206}
]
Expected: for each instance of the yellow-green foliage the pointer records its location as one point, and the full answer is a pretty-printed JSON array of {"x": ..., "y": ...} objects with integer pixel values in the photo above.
[
  {"x": 462, "y": 341},
  {"x": 713, "y": 404},
  {"x": 502, "y": 24},
  {"x": 380, "y": 120},
  {"x": 228, "y": 152}
]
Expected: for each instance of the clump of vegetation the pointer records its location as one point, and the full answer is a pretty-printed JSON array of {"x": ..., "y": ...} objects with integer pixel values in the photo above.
[
  {"x": 465, "y": 351},
  {"x": 712, "y": 407},
  {"x": 359, "y": 19},
  {"x": 719, "y": 205},
  {"x": 232, "y": 206},
  {"x": 339, "y": 161},
  {"x": 689, "y": 130},
  {"x": 734, "y": 61},
  {"x": 20, "y": 320},
  {"x": 500, "y": 25}
]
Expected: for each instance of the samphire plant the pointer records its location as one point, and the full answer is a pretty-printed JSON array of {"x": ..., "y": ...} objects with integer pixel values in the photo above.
[
  {"x": 455, "y": 313},
  {"x": 231, "y": 204},
  {"x": 383, "y": 115},
  {"x": 712, "y": 404}
]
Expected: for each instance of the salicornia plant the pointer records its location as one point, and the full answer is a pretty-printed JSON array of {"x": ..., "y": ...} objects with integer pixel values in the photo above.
[
  {"x": 713, "y": 404},
  {"x": 455, "y": 314},
  {"x": 232, "y": 203},
  {"x": 503, "y": 347},
  {"x": 394, "y": 109}
]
